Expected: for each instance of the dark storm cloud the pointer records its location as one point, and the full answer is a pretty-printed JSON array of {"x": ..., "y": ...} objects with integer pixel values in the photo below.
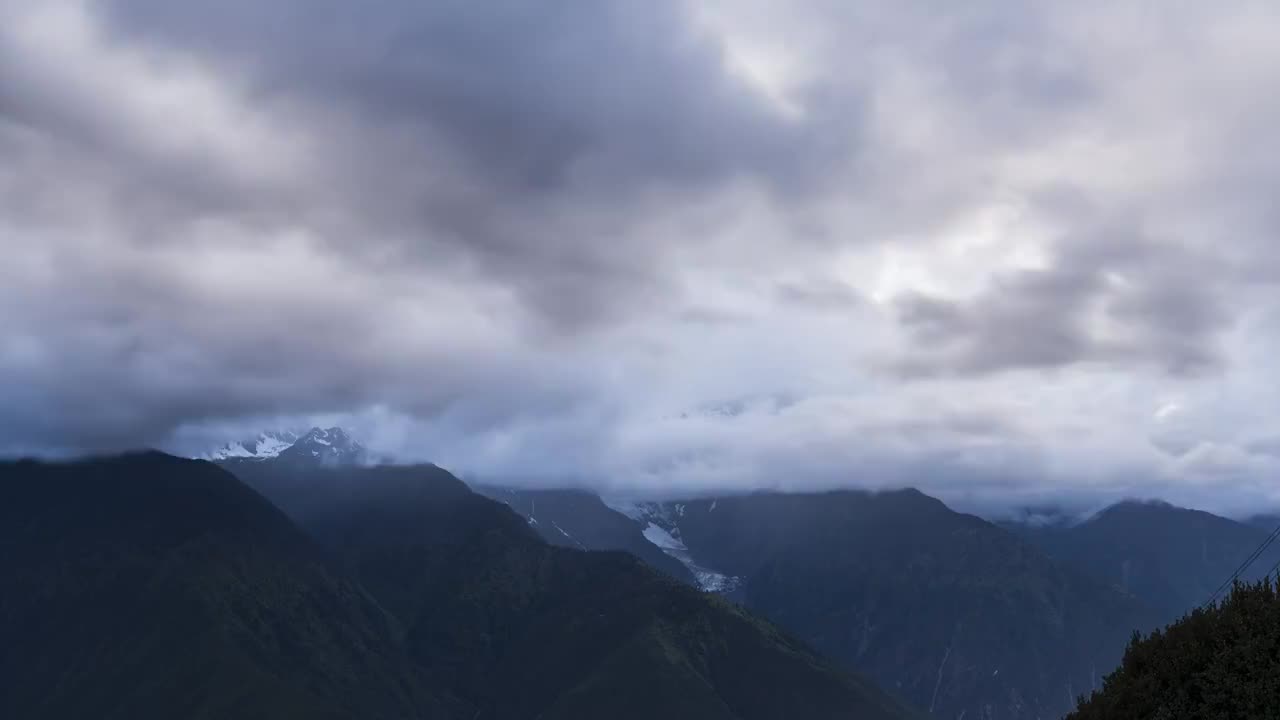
[
  {"x": 517, "y": 138},
  {"x": 623, "y": 93}
]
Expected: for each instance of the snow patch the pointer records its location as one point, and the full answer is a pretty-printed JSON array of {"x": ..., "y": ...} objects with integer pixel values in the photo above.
[
  {"x": 634, "y": 510},
  {"x": 661, "y": 523},
  {"x": 271, "y": 445},
  {"x": 663, "y": 539},
  {"x": 711, "y": 581},
  {"x": 234, "y": 450},
  {"x": 708, "y": 580},
  {"x": 267, "y": 445}
]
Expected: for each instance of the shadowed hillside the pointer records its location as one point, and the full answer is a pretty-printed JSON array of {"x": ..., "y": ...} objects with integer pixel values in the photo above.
[{"x": 151, "y": 587}]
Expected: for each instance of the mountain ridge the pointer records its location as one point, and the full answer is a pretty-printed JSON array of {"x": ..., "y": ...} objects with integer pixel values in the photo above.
[
  {"x": 1171, "y": 557},
  {"x": 332, "y": 446},
  {"x": 156, "y": 587},
  {"x": 486, "y": 600},
  {"x": 945, "y": 609},
  {"x": 266, "y": 444}
]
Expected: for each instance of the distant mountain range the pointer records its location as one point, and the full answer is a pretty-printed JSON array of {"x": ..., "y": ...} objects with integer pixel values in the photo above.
[
  {"x": 267, "y": 444},
  {"x": 146, "y": 586},
  {"x": 951, "y": 613},
  {"x": 1028, "y": 615},
  {"x": 1171, "y": 558}
]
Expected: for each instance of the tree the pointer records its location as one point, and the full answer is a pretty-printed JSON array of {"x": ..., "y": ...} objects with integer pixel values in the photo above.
[{"x": 1222, "y": 661}]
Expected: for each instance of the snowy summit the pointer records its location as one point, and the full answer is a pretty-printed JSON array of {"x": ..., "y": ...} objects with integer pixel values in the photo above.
[
  {"x": 325, "y": 446},
  {"x": 268, "y": 444}
]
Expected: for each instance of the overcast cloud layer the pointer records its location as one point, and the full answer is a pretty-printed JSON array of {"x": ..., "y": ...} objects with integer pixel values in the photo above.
[{"x": 1005, "y": 251}]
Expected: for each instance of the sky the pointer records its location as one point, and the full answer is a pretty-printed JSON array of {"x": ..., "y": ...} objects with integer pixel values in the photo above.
[{"x": 1006, "y": 251}]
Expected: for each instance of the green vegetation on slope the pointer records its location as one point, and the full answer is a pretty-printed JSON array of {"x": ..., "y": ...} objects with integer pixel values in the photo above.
[{"x": 1221, "y": 662}]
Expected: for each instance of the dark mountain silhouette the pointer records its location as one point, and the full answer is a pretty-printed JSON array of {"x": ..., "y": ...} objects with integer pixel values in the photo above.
[
  {"x": 1219, "y": 662},
  {"x": 146, "y": 586},
  {"x": 151, "y": 587},
  {"x": 156, "y": 587},
  {"x": 1171, "y": 558},
  {"x": 950, "y": 612},
  {"x": 520, "y": 628}
]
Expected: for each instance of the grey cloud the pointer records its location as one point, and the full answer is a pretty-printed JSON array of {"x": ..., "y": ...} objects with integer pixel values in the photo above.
[
  {"x": 505, "y": 150},
  {"x": 523, "y": 136},
  {"x": 1109, "y": 300},
  {"x": 528, "y": 90},
  {"x": 819, "y": 294},
  {"x": 517, "y": 143},
  {"x": 1031, "y": 322},
  {"x": 123, "y": 350},
  {"x": 1264, "y": 446}
]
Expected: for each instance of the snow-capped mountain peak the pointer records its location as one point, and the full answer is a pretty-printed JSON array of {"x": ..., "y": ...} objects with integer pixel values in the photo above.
[
  {"x": 324, "y": 446},
  {"x": 268, "y": 444},
  {"x": 333, "y": 437},
  {"x": 328, "y": 446}
]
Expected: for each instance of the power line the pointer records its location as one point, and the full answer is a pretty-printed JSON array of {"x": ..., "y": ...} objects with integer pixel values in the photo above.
[
  {"x": 1245, "y": 565},
  {"x": 1274, "y": 568}
]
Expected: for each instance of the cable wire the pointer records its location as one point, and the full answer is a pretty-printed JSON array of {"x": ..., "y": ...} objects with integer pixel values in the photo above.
[{"x": 1245, "y": 566}]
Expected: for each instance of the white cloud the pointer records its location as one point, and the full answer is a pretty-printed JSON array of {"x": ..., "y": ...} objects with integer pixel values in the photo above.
[{"x": 476, "y": 257}]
